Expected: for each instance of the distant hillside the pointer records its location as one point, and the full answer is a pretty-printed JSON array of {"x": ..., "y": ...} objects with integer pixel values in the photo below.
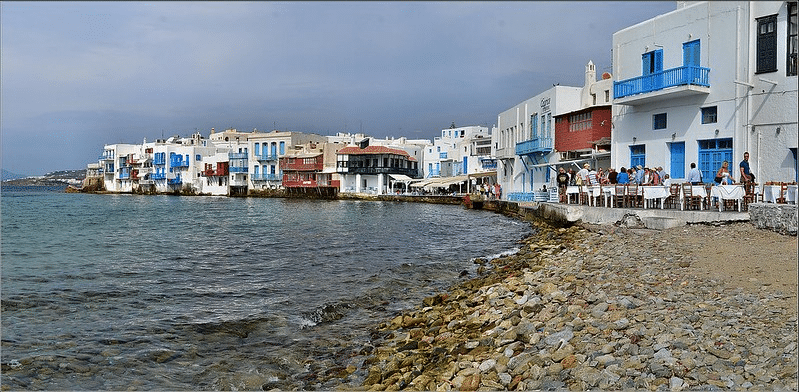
[
  {"x": 56, "y": 178},
  {"x": 7, "y": 175}
]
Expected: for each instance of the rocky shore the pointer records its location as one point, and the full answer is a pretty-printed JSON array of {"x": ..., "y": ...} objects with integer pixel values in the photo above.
[{"x": 699, "y": 307}]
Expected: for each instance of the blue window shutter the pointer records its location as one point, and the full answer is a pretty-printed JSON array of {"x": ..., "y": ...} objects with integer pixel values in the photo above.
[
  {"x": 659, "y": 60},
  {"x": 645, "y": 67},
  {"x": 690, "y": 55}
]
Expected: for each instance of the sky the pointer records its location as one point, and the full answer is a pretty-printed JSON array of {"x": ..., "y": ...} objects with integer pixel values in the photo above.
[{"x": 75, "y": 76}]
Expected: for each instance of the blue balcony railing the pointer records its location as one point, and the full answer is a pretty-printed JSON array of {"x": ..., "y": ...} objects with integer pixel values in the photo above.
[
  {"x": 174, "y": 181},
  {"x": 238, "y": 169},
  {"x": 159, "y": 160},
  {"x": 680, "y": 76},
  {"x": 434, "y": 173},
  {"x": 237, "y": 155},
  {"x": 267, "y": 177},
  {"x": 266, "y": 157},
  {"x": 538, "y": 145},
  {"x": 157, "y": 176}
]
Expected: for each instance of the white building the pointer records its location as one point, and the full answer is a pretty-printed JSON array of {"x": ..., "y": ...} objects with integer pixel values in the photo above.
[
  {"x": 268, "y": 148},
  {"x": 524, "y": 139},
  {"x": 706, "y": 83},
  {"x": 454, "y": 153}
]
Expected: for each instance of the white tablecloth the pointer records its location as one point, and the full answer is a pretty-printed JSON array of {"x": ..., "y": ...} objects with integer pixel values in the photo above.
[
  {"x": 652, "y": 193},
  {"x": 772, "y": 192},
  {"x": 728, "y": 192}
]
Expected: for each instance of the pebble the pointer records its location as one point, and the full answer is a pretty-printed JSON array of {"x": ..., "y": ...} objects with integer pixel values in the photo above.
[{"x": 583, "y": 309}]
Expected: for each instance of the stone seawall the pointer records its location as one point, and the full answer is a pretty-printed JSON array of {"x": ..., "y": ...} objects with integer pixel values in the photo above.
[{"x": 781, "y": 218}]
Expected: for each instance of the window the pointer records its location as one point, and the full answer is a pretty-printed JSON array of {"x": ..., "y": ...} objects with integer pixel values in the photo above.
[
  {"x": 593, "y": 99},
  {"x": 652, "y": 62},
  {"x": 690, "y": 53},
  {"x": 607, "y": 95},
  {"x": 792, "y": 43},
  {"x": 767, "y": 44},
  {"x": 638, "y": 155},
  {"x": 709, "y": 115},
  {"x": 549, "y": 125},
  {"x": 579, "y": 122},
  {"x": 659, "y": 121},
  {"x": 534, "y": 126}
]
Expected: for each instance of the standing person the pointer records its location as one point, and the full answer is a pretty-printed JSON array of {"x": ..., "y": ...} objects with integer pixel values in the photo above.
[
  {"x": 623, "y": 177},
  {"x": 572, "y": 177},
  {"x": 723, "y": 175},
  {"x": 563, "y": 183},
  {"x": 592, "y": 178},
  {"x": 661, "y": 172},
  {"x": 746, "y": 174},
  {"x": 656, "y": 179},
  {"x": 639, "y": 175},
  {"x": 694, "y": 175},
  {"x": 612, "y": 175},
  {"x": 582, "y": 175},
  {"x": 498, "y": 191}
]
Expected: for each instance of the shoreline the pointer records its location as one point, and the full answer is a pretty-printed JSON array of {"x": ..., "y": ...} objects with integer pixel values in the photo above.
[{"x": 600, "y": 306}]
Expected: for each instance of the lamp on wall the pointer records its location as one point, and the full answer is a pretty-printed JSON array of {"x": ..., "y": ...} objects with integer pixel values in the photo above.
[
  {"x": 634, "y": 139},
  {"x": 717, "y": 132},
  {"x": 673, "y": 135},
  {"x": 778, "y": 130}
]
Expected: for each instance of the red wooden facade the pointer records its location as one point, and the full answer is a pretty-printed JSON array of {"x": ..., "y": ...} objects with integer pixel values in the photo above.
[
  {"x": 305, "y": 172},
  {"x": 576, "y": 130},
  {"x": 221, "y": 169}
]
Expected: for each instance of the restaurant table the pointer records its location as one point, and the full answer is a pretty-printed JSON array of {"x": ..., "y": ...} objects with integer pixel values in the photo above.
[
  {"x": 604, "y": 192},
  {"x": 655, "y": 192},
  {"x": 772, "y": 192},
  {"x": 572, "y": 190},
  {"x": 728, "y": 192},
  {"x": 696, "y": 190}
]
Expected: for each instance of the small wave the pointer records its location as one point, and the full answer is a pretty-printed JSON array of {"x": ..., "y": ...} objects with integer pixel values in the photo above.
[
  {"x": 509, "y": 252},
  {"x": 324, "y": 314}
]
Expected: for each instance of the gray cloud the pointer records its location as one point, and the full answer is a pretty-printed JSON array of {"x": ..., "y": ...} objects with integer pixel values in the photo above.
[{"x": 87, "y": 74}]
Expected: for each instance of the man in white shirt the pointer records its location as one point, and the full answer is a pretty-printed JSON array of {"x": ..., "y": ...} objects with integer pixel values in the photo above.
[
  {"x": 583, "y": 174},
  {"x": 694, "y": 175}
]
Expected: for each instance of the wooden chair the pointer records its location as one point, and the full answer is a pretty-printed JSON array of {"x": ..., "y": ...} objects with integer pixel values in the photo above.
[
  {"x": 783, "y": 193},
  {"x": 673, "y": 201},
  {"x": 708, "y": 197},
  {"x": 749, "y": 195},
  {"x": 689, "y": 200},
  {"x": 632, "y": 196},
  {"x": 620, "y": 196}
]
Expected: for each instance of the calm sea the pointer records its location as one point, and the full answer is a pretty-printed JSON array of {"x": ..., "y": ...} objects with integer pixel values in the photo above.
[{"x": 162, "y": 292}]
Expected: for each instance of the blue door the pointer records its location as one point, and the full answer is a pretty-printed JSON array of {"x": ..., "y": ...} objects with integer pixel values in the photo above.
[
  {"x": 465, "y": 165},
  {"x": 711, "y": 155},
  {"x": 677, "y": 160}
]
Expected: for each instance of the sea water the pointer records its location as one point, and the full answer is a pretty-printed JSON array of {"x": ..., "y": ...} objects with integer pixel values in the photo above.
[{"x": 164, "y": 292}]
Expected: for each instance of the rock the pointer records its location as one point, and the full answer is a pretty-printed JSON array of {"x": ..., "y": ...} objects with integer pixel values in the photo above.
[{"x": 559, "y": 338}]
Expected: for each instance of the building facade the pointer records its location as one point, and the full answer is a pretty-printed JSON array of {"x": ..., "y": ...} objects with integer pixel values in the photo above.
[
  {"x": 706, "y": 83},
  {"x": 524, "y": 139},
  {"x": 453, "y": 153},
  {"x": 369, "y": 169}
]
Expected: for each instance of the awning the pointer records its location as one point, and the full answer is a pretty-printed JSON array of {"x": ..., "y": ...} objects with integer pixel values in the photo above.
[
  {"x": 484, "y": 174},
  {"x": 400, "y": 177}
]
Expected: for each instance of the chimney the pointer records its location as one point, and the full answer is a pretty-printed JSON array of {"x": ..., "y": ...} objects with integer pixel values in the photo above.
[{"x": 590, "y": 74}]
